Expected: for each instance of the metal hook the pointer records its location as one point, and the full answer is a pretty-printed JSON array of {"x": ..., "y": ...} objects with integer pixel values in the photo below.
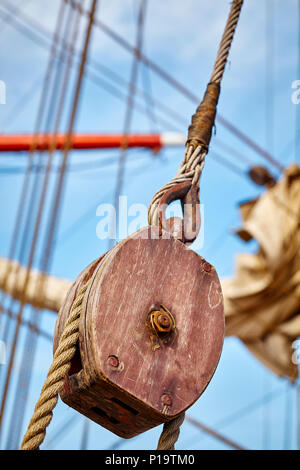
[{"x": 185, "y": 229}]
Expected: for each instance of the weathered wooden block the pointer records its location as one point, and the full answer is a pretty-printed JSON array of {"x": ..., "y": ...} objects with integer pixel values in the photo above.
[{"x": 151, "y": 333}]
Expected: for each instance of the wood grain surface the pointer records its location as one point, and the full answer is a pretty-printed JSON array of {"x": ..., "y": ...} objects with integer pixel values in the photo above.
[{"x": 130, "y": 396}]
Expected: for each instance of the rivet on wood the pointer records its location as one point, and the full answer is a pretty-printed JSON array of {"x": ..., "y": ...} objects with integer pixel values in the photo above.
[
  {"x": 207, "y": 267},
  {"x": 167, "y": 402},
  {"x": 161, "y": 320},
  {"x": 113, "y": 361},
  {"x": 164, "y": 321}
]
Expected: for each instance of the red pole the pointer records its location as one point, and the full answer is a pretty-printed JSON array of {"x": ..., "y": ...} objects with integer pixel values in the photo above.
[{"x": 23, "y": 142}]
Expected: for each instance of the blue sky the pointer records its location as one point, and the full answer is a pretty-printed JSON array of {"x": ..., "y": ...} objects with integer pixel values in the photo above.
[{"x": 182, "y": 37}]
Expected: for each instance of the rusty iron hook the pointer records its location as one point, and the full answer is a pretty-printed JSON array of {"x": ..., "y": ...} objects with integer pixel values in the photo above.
[{"x": 186, "y": 229}]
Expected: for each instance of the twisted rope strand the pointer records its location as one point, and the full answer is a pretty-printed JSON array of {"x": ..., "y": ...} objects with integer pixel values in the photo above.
[
  {"x": 226, "y": 41},
  {"x": 194, "y": 158},
  {"x": 170, "y": 433},
  {"x": 59, "y": 368}
]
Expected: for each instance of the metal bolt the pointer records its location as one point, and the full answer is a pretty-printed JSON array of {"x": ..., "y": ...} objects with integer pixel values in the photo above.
[
  {"x": 207, "y": 267},
  {"x": 166, "y": 399},
  {"x": 164, "y": 321},
  {"x": 113, "y": 361}
]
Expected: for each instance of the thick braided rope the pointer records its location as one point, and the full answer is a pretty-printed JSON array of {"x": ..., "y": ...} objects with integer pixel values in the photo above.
[
  {"x": 60, "y": 366},
  {"x": 194, "y": 158},
  {"x": 170, "y": 433}
]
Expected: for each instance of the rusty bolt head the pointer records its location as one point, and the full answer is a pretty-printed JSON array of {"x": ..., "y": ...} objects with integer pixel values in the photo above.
[
  {"x": 164, "y": 321},
  {"x": 166, "y": 399},
  {"x": 113, "y": 361},
  {"x": 207, "y": 267},
  {"x": 161, "y": 321}
]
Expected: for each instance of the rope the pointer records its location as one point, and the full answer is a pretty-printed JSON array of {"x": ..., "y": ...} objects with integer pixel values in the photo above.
[
  {"x": 226, "y": 41},
  {"x": 199, "y": 134},
  {"x": 170, "y": 433},
  {"x": 130, "y": 104},
  {"x": 59, "y": 368}
]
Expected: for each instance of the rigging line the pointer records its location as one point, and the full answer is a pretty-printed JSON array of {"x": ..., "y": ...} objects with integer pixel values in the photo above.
[
  {"x": 54, "y": 215},
  {"x": 85, "y": 434},
  {"x": 77, "y": 224},
  {"x": 93, "y": 65},
  {"x": 138, "y": 107},
  {"x": 25, "y": 189},
  {"x": 30, "y": 325},
  {"x": 61, "y": 430},
  {"x": 53, "y": 218},
  {"x": 30, "y": 341},
  {"x": 232, "y": 150},
  {"x": 114, "y": 91},
  {"x": 129, "y": 108},
  {"x": 60, "y": 184},
  {"x": 247, "y": 409},
  {"x": 180, "y": 87},
  {"x": 25, "y": 186},
  {"x": 119, "y": 443},
  {"x": 25, "y": 98},
  {"x": 94, "y": 175},
  {"x": 33, "y": 199},
  {"x": 174, "y": 83},
  {"x": 102, "y": 163},
  {"x": 85, "y": 217},
  {"x": 214, "y": 433},
  {"x": 250, "y": 407},
  {"x": 149, "y": 101},
  {"x": 227, "y": 164},
  {"x": 15, "y": 10},
  {"x": 269, "y": 80},
  {"x": 146, "y": 83},
  {"x": 23, "y": 29},
  {"x": 76, "y": 167}
]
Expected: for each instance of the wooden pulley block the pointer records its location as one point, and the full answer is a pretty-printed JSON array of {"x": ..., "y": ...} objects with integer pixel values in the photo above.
[{"x": 151, "y": 333}]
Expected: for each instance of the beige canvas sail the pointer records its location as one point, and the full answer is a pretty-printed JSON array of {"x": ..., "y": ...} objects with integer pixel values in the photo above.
[{"x": 262, "y": 301}]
